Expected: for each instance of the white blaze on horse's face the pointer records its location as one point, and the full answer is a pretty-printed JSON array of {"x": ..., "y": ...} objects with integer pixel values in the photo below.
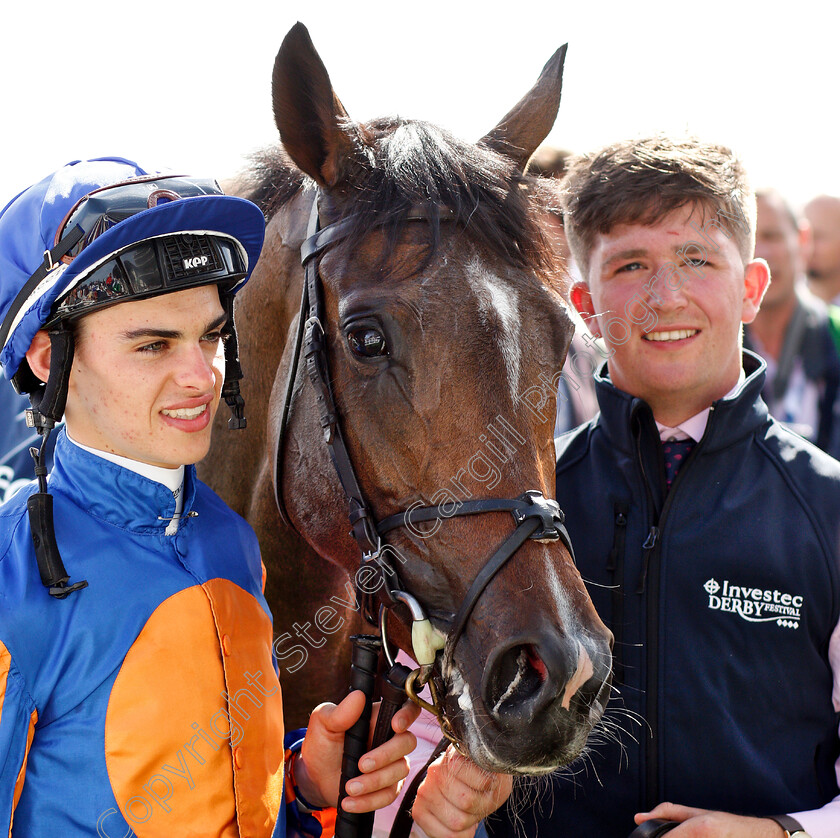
[{"x": 494, "y": 295}]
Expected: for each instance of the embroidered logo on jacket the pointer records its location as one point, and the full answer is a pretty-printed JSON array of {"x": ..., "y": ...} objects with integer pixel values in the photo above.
[{"x": 756, "y": 605}]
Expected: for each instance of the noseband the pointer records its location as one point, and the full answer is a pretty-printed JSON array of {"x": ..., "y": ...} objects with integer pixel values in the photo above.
[{"x": 535, "y": 516}]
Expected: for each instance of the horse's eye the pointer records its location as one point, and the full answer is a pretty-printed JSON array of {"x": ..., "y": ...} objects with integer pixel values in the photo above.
[{"x": 367, "y": 343}]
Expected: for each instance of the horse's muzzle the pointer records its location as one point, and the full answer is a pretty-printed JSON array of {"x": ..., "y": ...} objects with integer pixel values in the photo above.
[{"x": 541, "y": 696}]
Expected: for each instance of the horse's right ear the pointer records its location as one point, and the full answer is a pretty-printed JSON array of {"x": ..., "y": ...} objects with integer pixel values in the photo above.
[{"x": 313, "y": 125}]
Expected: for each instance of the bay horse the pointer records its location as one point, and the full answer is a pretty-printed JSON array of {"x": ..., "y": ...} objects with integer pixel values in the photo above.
[{"x": 443, "y": 327}]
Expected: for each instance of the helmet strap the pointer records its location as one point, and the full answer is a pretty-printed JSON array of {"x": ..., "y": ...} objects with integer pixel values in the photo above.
[
  {"x": 48, "y": 402},
  {"x": 47, "y": 410},
  {"x": 233, "y": 371},
  {"x": 52, "y": 260}
]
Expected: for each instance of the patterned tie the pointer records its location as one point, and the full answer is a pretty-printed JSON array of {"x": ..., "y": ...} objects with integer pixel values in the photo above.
[{"x": 676, "y": 452}]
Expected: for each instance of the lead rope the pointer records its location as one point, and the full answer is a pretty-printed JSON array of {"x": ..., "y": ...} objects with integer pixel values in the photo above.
[
  {"x": 404, "y": 820},
  {"x": 368, "y": 651}
]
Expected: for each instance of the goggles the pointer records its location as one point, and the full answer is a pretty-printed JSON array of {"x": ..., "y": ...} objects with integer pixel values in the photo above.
[
  {"x": 101, "y": 209},
  {"x": 152, "y": 267}
]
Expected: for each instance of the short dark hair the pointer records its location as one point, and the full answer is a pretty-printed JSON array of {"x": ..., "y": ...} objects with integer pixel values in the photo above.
[
  {"x": 549, "y": 161},
  {"x": 773, "y": 196},
  {"x": 643, "y": 180},
  {"x": 549, "y": 164}
]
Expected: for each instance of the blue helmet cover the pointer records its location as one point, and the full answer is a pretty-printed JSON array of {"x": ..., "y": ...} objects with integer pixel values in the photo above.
[{"x": 29, "y": 222}]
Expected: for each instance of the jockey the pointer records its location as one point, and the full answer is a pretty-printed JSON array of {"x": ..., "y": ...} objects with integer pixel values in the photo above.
[{"x": 138, "y": 691}]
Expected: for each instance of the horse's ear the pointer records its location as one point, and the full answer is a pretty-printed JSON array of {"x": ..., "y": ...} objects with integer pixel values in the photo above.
[
  {"x": 521, "y": 131},
  {"x": 313, "y": 125}
]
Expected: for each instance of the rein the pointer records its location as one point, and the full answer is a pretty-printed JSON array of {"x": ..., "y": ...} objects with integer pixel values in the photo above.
[{"x": 535, "y": 516}]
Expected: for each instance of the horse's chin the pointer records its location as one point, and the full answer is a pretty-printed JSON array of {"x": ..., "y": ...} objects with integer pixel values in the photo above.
[{"x": 553, "y": 740}]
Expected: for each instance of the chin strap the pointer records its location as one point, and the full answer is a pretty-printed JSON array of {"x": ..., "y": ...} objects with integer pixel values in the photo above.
[
  {"x": 46, "y": 411},
  {"x": 49, "y": 400},
  {"x": 40, "y": 506},
  {"x": 233, "y": 371}
]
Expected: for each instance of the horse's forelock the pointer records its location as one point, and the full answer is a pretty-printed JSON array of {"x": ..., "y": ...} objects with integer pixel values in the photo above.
[
  {"x": 414, "y": 163},
  {"x": 418, "y": 164}
]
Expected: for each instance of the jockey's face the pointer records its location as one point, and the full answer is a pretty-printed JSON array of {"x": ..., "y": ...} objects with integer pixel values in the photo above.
[{"x": 147, "y": 377}]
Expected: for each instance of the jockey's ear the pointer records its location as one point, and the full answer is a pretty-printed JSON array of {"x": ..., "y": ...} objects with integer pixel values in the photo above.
[
  {"x": 581, "y": 298},
  {"x": 38, "y": 355}
]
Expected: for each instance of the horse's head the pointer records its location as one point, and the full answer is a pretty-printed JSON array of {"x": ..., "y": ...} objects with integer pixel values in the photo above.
[{"x": 445, "y": 331}]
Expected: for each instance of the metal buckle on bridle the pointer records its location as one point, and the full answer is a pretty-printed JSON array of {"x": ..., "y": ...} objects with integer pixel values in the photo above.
[
  {"x": 546, "y": 510},
  {"x": 435, "y": 707},
  {"x": 389, "y": 584},
  {"x": 373, "y": 555},
  {"x": 426, "y": 641}
]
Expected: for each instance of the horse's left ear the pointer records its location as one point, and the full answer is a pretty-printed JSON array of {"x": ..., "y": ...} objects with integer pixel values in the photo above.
[{"x": 521, "y": 131}]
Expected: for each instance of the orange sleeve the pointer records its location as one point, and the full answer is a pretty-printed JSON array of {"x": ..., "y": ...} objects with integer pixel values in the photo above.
[
  {"x": 325, "y": 817},
  {"x": 18, "y": 718}
]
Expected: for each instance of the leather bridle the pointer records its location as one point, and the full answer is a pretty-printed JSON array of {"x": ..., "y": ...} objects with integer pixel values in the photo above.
[{"x": 536, "y": 517}]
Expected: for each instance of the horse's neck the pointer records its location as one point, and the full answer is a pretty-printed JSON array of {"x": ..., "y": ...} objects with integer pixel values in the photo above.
[{"x": 265, "y": 311}]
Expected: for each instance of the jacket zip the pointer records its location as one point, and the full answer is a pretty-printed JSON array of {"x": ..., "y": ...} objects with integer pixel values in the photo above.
[
  {"x": 615, "y": 565},
  {"x": 650, "y": 542},
  {"x": 649, "y": 579}
]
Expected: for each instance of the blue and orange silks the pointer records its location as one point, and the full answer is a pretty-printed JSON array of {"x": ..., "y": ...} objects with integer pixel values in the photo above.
[{"x": 147, "y": 703}]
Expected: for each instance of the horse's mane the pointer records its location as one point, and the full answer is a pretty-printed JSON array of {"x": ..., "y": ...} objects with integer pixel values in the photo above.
[{"x": 410, "y": 164}]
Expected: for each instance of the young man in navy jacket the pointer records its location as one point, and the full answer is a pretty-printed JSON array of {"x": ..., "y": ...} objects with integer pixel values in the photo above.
[{"x": 707, "y": 533}]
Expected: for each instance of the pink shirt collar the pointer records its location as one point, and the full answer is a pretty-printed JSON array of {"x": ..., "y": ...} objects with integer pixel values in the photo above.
[{"x": 695, "y": 426}]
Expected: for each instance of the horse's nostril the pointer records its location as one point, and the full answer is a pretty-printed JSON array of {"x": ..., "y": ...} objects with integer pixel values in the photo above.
[
  {"x": 535, "y": 661},
  {"x": 517, "y": 680}
]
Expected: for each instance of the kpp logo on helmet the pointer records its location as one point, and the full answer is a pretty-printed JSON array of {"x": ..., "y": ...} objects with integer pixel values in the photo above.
[{"x": 196, "y": 262}]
